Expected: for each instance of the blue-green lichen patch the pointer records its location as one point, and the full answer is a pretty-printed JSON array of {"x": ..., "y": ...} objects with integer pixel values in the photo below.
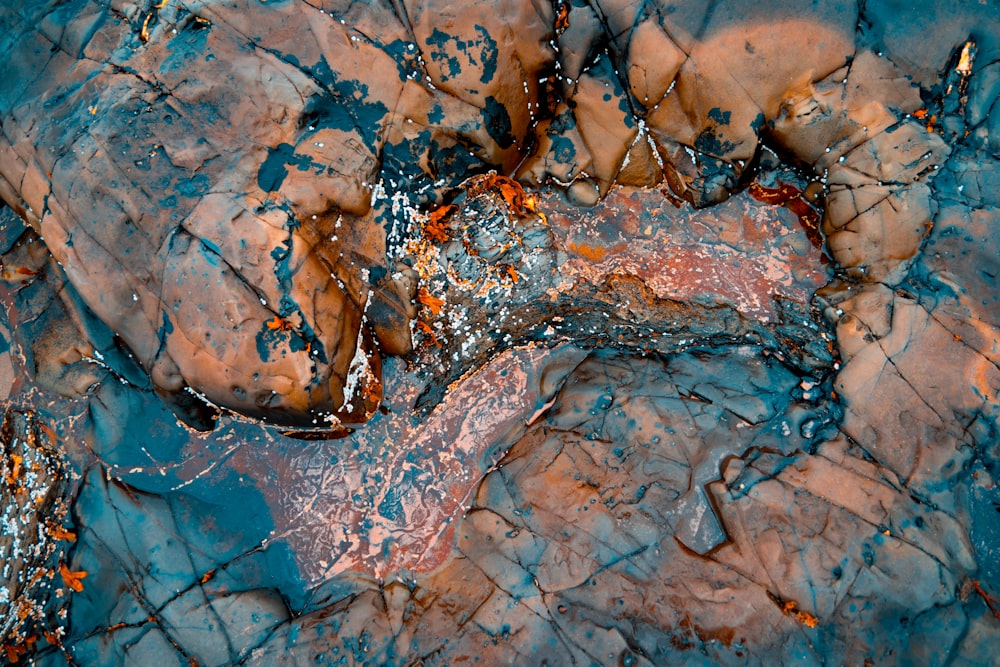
[{"x": 454, "y": 54}]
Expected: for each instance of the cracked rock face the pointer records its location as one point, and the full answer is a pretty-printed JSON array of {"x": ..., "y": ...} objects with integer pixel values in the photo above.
[{"x": 515, "y": 332}]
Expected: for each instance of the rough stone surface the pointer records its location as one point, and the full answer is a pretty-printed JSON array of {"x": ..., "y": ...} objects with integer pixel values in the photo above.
[{"x": 511, "y": 333}]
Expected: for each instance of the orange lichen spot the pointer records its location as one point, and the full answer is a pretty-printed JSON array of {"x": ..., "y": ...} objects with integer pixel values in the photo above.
[
  {"x": 562, "y": 18},
  {"x": 73, "y": 579},
  {"x": 920, "y": 113},
  {"x": 512, "y": 272},
  {"x": 15, "y": 469},
  {"x": 432, "y": 302},
  {"x": 14, "y": 652},
  {"x": 116, "y": 626},
  {"x": 591, "y": 252},
  {"x": 58, "y": 532},
  {"x": 518, "y": 201},
  {"x": 279, "y": 323},
  {"x": 426, "y": 329},
  {"x": 511, "y": 191},
  {"x": 207, "y": 577},
  {"x": 791, "y": 609},
  {"x": 435, "y": 228}
]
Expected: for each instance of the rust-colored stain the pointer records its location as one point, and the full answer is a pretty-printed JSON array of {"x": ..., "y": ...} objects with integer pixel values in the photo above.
[
  {"x": 436, "y": 228},
  {"x": 789, "y": 196},
  {"x": 72, "y": 578},
  {"x": 763, "y": 242},
  {"x": 433, "y": 303}
]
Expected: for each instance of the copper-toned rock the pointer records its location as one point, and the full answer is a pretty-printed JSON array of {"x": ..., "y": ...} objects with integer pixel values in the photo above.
[{"x": 565, "y": 411}]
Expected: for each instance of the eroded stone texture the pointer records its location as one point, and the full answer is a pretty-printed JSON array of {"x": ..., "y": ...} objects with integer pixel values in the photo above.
[
  {"x": 303, "y": 233},
  {"x": 619, "y": 434},
  {"x": 34, "y": 543}
]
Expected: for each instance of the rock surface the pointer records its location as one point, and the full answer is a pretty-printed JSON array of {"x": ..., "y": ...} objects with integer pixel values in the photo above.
[{"x": 637, "y": 332}]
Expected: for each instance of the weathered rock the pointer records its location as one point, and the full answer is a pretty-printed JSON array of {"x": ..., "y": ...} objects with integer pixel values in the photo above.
[
  {"x": 616, "y": 434},
  {"x": 33, "y": 492}
]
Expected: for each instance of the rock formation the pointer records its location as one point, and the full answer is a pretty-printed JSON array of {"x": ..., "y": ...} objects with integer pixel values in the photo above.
[{"x": 517, "y": 331}]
